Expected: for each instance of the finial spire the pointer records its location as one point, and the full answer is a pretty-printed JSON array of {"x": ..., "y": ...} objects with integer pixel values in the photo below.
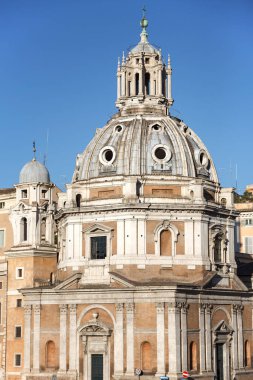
[
  {"x": 34, "y": 151},
  {"x": 144, "y": 25},
  {"x": 123, "y": 58}
]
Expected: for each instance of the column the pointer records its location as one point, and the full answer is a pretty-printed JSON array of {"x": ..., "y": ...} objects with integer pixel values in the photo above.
[
  {"x": 130, "y": 338},
  {"x": 235, "y": 337},
  {"x": 160, "y": 331},
  {"x": 184, "y": 340},
  {"x": 63, "y": 337},
  {"x": 160, "y": 82},
  {"x": 208, "y": 337},
  {"x": 174, "y": 339},
  {"x": 36, "y": 337},
  {"x": 72, "y": 338},
  {"x": 119, "y": 341},
  {"x": 202, "y": 342},
  {"x": 141, "y": 82},
  {"x": 27, "y": 338},
  {"x": 240, "y": 336}
]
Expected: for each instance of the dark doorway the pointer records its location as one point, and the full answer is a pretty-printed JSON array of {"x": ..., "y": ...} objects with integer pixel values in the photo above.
[
  {"x": 96, "y": 367},
  {"x": 98, "y": 247},
  {"x": 219, "y": 361}
]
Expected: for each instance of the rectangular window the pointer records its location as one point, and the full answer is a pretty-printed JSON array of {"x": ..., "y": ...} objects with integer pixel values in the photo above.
[
  {"x": 1, "y": 285},
  {"x": 18, "y": 332},
  {"x": 248, "y": 222},
  {"x": 98, "y": 247},
  {"x": 1, "y": 238},
  {"x": 248, "y": 245},
  {"x": 17, "y": 360},
  {"x": 19, "y": 272},
  {"x": 19, "y": 302},
  {"x": 43, "y": 194},
  {"x": 2, "y": 204},
  {"x": 23, "y": 193}
]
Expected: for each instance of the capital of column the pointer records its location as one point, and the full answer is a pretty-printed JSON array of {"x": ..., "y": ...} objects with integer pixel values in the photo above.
[
  {"x": 63, "y": 309},
  {"x": 160, "y": 307},
  {"x": 36, "y": 309},
  {"x": 174, "y": 307},
  {"x": 130, "y": 307},
  {"x": 72, "y": 309},
  {"x": 209, "y": 308},
  {"x": 28, "y": 309},
  {"x": 119, "y": 307},
  {"x": 184, "y": 307}
]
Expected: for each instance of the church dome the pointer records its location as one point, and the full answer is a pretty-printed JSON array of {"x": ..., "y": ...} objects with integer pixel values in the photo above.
[
  {"x": 142, "y": 145},
  {"x": 34, "y": 171}
]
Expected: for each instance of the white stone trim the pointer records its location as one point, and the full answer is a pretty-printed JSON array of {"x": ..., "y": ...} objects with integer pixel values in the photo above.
[{"x": 166, "y": 226}]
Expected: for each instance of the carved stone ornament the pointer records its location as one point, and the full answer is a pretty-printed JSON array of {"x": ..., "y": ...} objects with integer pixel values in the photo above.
[
  {"x": 119, "y": 306},
  {"x": 36, "y": 309},
  {"x": 130, "y": 307},
  {"x": 28, "y": 309},
  {"x": 160, "y": 307},
  {"x": 63, "y": 309},
  {"x": 72, "y": 309}
]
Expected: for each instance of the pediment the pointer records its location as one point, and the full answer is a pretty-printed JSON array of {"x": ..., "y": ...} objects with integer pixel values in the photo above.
[
  {"x": 70, "y": 283},
  {"x": 221, "y": 281},
  {"x": 223, "y": 328},
  {"x": 22, "y": 206},
  {"x": 97, "y": 229}
]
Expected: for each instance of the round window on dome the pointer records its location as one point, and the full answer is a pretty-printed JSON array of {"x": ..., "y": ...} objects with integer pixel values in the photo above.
[
  {"x": 107, "y": 155},
  {"x": 161, "y": 153},
  {"x": 118, "y": 128}
]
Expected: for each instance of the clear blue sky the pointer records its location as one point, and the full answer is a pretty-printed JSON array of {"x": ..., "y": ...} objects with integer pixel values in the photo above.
[{"x": 58, "y": 61}]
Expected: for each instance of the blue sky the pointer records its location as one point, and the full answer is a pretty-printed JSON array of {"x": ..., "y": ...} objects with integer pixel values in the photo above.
[{"x": 58, "y": 61}]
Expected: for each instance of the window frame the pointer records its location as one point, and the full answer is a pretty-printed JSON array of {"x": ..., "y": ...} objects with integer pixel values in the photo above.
[
  {"x": 247, "y": 245},
  {"x": 24, "y": 192},
  {"x": 96, "y": 231},
  {"x": 18, "y": 299},
  {"x": 18, "y": 328},
  {"x": 16, "y": 354},
  {"x": 17, "y": 270},
  {"x": 4, "y": 237}
]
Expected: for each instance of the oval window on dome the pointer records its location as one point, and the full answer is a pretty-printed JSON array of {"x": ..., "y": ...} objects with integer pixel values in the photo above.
[
  {"x": 203, "y": 159},
  {"x": 107, "y": 155},
  {"x": 156, "y": 127},
  {"x": 118, "y": 129},
  {"x": 161, "y": 153}
]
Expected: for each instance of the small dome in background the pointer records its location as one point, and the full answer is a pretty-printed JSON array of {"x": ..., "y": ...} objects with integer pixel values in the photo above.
[{"x": 34, "y": 171}]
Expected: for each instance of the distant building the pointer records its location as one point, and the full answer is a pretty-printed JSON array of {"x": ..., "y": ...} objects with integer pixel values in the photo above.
[{"x": 134, "y": 266}]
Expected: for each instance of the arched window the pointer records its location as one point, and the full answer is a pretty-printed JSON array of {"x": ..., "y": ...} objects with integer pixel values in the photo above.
[
  {"x": 247, "y": 357},
  {"x": 23, "y": 229},
  {"x": 43, "y": 230},
  {"x": 78, "y": 200},
  {"x": 165, "y": 243},
  {"x": 147, "y": 84},
  {"x": 193, "y": 356},
  {"x": 146, "y": 357},
  {"x": 51, "y": 357},
  {"x": 137, "y": 84}
]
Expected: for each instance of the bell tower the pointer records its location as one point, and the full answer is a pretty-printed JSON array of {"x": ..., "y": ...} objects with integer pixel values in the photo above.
[{"x": 143, "y": 79}]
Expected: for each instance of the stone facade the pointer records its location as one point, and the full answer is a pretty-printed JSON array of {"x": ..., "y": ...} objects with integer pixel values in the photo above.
[{"x": 134, "y": 266}]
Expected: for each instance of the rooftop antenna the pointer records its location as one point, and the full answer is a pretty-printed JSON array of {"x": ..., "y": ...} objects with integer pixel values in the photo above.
[{"x": 34, "y": 151}]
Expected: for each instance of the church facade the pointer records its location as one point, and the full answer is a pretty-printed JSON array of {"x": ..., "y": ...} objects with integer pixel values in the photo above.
[{"x": 134, "y": 265}]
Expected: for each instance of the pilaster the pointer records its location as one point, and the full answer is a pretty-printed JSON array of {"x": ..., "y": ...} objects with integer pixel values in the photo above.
[
  {"x": 160, "y": 339},
  {"x": 72, "y": 338},
  {"x": 174, "y": 341},
  {"x": 208, "y": 310},
  {"x": 184, "y": 342},
  {"x": 36, "y": 338},
  {"x": 63, "y": 337},
  {"x": 240, "y": 336},
  {"x": 27, "y": 338},
  {"x": 202, "y": 338},
  {"x": 130, "y": 338},
  {"x": 118, "y": 341}
]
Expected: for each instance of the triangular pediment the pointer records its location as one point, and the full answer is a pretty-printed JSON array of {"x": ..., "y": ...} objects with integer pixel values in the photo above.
[
  {"x": 221, "y": 281},
  {"x": 97, "y": 229},
  {"x": 223, "y": 328},
  {"x": 70, "y": 282}
]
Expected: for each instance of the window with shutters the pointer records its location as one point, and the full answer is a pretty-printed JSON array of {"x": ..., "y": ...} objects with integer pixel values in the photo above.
[
  {"x": 248, "y": 245},
  {"x": 248, "y": 222}
]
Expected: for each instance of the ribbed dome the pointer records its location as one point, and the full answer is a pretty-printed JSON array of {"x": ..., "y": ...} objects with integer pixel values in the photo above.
[
  {"x": 145, "y": 145},
  {"x": 144, "y": 47},
  {"x": 34, "y": 171}
]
